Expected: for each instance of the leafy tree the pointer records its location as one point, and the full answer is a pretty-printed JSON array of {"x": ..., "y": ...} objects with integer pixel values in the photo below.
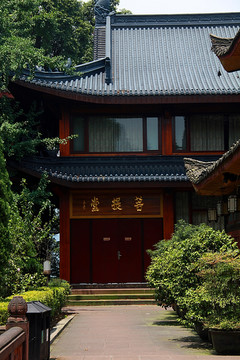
[
  {"x": 45, "y": 33},
  {"x": 31, "y": 222},
  {"x": 19, "y": 131},
  {"x": 5, "y": 198}
]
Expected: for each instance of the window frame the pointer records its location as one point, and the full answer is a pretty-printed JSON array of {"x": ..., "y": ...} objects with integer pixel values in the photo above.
[
  {"x": 226, "y": 130},
  {"x": 87, "y": 118}
]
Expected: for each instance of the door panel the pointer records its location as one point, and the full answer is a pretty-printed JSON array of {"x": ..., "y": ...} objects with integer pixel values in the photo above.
[
  {"x": 129, "y": 245},
  {"x": 80, "y": 251},
  {"x": 104, "y": 251}
]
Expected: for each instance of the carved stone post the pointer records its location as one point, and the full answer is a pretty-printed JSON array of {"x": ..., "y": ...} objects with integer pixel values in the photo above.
[{"x": 17, "y": 309}]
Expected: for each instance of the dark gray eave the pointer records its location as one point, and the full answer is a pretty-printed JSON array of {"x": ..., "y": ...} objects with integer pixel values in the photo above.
[
  {"x": 198, "y": 171},
  {"x": 107, "y": 169}
]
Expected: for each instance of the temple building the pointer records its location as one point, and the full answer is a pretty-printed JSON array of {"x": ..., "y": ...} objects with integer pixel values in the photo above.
[{"x": 154, "y": 94}]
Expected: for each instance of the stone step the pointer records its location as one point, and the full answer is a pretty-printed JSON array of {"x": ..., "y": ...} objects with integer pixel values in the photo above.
[
  {"x": 111, "y": 302},
  {"x": 112, "y": 291},
  {"x": 137, "y": 285},
  {"x": 111, "y": 296},
  {"x": 107, "y": 296}
]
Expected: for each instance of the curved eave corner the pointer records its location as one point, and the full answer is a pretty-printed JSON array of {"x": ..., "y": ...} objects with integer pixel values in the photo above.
[
  {"x": 228, "y": 51},
  {"x": 216, "y": 178}
]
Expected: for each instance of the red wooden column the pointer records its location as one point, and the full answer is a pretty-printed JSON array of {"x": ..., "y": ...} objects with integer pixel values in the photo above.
[
  {"x": 168, "y": 214},
  {"x": 64, "y": 236},
  {"x": 167, "y": 134},
  {"x": 64, "y": 131}
]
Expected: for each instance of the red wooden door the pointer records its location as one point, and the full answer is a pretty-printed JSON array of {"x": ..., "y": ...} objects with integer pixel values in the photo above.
[
  {"x": 130, "y": 255},
  {"x": 116, "y": 251},
  {"x": 104, "y": 251}
]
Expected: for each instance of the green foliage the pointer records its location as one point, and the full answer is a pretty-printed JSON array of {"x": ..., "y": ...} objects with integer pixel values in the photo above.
[
  {"x": 53, "y": 143},
  {"x": 30, "y": 227},
  {"x": 19, "y": 131},
  {"x": 54, "y": 297},
  {"x": 216, "y": 301},
  {"x": 45, "y": 33},
  {"x": 170, "y": 271},
  {"x": 60, "y": 283},
  {"x": 5, "y": 199}
]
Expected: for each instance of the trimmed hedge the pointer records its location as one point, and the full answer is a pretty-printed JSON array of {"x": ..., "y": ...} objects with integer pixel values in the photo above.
[{"x": 54, "y": 297}]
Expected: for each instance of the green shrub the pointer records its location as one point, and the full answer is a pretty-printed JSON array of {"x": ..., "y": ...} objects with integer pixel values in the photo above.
[
  {"x": 60, "y": 283},
  {"x": 170, "y": 271},
  {"x": 216, "y": 302},
  {"x": 54, "y": 297}
]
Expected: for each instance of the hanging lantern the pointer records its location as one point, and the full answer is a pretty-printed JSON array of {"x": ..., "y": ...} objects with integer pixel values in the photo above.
[
  {"x": 212, "y": 215},
  {"x": 221, "y": 208},
  {"x": 47, "y": 267},
  {"x": 232, "y": 203}
]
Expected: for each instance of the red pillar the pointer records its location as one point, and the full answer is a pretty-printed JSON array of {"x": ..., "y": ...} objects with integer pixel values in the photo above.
[{"x": 64, "y": 236}]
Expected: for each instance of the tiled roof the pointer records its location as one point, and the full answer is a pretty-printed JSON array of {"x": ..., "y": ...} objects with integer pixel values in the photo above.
[
  {"x": 109, "y": 169},
  {"x": 197, "y": 171},
  {"x": 155, "y": 55}
]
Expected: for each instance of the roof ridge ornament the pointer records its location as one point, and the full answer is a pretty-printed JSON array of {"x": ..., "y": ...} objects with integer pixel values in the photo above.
[{"x": 102, "y": 9}]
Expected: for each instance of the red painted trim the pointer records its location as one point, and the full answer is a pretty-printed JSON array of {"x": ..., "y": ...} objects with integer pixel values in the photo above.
[
  {"x": 167, "y": 135},
  {"x": 168, "y": 214},
  {"x": 65, "y": 236}
]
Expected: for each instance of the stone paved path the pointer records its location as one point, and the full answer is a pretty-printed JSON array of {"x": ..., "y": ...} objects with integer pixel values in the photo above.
[{"x": 145, "y": 332}]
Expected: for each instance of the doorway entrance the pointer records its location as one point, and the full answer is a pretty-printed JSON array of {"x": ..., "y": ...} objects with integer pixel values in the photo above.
[
  {"x": 117, "y": 251},
  {"x": 112, "y": 250}
]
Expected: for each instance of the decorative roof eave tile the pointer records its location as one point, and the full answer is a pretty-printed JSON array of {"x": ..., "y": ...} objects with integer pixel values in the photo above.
[
  {"x": 213, "y": 177},
  {"x": 228, "y": 51},
  {"x": 72, "y": 171}
]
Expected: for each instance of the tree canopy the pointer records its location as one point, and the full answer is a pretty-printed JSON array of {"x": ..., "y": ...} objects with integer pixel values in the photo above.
[{"x": 45, "y": 33}]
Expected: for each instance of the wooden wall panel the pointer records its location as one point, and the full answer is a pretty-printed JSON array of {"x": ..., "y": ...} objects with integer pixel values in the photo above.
[
  {"x": 152, "y": 234},
  {"x": 168, "y": 214}
]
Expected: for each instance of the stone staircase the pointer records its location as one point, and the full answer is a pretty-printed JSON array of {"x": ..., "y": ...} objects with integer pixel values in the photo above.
[{"x": 107, "y": 294}]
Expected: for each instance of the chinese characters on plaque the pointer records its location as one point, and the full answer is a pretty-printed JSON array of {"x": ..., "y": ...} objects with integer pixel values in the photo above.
[
  {"x": 115, "y": 205},
  {"x": 107, "y": 204}
]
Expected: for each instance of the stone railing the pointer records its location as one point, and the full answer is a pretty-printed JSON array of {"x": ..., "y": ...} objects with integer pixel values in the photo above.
[{"x": 14, "y": 341}]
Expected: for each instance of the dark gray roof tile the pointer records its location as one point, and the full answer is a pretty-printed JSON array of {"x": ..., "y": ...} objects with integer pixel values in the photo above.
[
  {"x": 110, "y": 169},
  {"x": 156, "y": 55}
]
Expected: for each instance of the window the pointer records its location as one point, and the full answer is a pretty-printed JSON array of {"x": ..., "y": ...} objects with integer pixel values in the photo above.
[
  {"x": 180, "y": 133},
  {"x": 234, "y": 129},
  {"x": 193, "y": 209},
  {"x": 115, "y": 134},
  {"x": 205, "y": 132}
]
